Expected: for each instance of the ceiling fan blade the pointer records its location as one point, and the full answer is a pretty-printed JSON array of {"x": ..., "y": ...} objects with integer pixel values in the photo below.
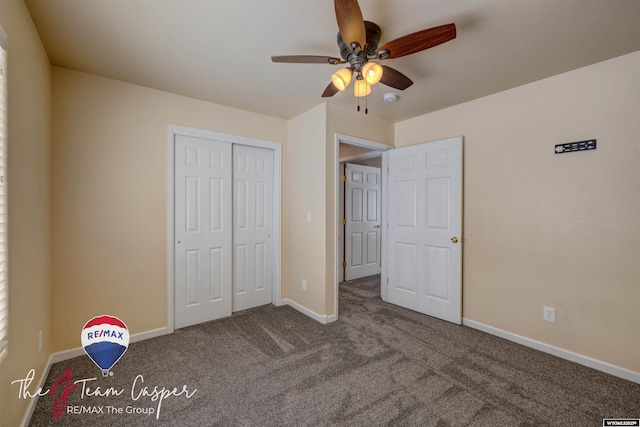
[
  {"x": 306, "y": 59},
  {"x": 394, "y": 78},
  {"x": 330, "y": 91},
  {"x": 350, "y": 22},
  {"x": 419, "y": 41}
]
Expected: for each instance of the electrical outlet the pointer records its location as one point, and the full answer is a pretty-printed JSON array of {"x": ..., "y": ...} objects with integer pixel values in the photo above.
[
  {"x": 304, "y": 285},
  {"x": 549, "y": 314},
  {"x": 39, "y": 341}
]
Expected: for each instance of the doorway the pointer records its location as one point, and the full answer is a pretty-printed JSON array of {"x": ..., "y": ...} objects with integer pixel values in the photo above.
[
  {"x": 354, "y": 150},
  {"x": 223, "y": 224}
]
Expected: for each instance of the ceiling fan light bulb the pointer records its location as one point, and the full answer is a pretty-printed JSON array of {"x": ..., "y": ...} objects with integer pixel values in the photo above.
[
  {"x": 341, "y": 78},
  {"x": 372, "y": 72},
  {"x": 361, "y": 88}
]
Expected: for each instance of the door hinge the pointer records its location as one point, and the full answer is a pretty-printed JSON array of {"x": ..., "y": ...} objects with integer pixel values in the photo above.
[
  {"x": 344, "y": 264},
  {"x": 344, "y": 222},
  {"x": 387, "y": 280},
  {"x": 344, "y": 177}
]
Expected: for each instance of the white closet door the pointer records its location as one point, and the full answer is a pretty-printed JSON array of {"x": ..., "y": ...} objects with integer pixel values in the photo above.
[
  {"x": 425, "y": 222},
  {"x": 362, "y": 230},
  {"x": 252, "y": 227},
  {"x": 203, "y": 230}
]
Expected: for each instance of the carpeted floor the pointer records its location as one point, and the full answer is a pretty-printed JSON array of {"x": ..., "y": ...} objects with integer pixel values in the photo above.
[{"x": 377, "y": 365}]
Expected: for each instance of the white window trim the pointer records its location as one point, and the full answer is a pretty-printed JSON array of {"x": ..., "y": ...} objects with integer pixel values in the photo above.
[{"x": 4, "y": 291}]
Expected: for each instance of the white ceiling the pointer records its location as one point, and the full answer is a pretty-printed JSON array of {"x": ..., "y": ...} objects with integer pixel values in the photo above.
[{"x": 220, "y": 50}]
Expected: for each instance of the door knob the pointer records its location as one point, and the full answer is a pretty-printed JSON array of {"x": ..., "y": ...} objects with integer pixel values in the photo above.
[
  {"x": 454, "y": 240},
  {"x": 378, "y": 226}
]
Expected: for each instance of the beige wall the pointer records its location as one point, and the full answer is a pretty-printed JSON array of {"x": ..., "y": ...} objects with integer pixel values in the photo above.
[
  {"x": 109, "y": 196},
  {"x": 347, "y": 151},
  {"x": 305, "y": 167},
  {"x": 375, "y": 162},
  {"x": 555, "y": 230},
  {"x": 29, "y": 190}
]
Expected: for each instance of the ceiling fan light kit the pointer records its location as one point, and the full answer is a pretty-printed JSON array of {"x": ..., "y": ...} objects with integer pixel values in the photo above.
[{"x": 358, "y": 43}]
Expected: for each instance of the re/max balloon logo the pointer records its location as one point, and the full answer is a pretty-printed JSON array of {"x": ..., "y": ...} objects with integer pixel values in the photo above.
[{"x": 105, "y": 339}]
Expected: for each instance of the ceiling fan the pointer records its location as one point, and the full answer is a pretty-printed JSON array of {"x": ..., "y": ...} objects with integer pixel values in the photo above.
[{"x": 358, "y": 42}]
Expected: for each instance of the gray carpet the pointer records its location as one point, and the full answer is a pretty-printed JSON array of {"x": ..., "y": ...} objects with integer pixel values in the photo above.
[{"x": 377, "y": 365}]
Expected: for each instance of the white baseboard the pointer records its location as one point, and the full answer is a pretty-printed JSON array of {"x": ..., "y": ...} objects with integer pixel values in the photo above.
[
  {"x": 556, "y": 351},
  {"x": 61, "y": 356},
  {"x": 324, "y": 319}
]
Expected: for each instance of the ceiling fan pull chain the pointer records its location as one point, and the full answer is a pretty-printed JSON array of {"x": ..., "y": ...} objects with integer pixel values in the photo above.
[{"x": 366, "y": 104}]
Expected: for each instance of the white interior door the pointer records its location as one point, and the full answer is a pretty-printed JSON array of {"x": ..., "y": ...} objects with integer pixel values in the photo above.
[
  {"x": 362, "y": 229},
  {"x": 253, "y": 222},
  {"x": 425, "y": 222},
  {"x": 203, "y": 230}
]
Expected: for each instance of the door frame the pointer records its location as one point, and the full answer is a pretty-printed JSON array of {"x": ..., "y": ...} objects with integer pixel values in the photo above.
[
  {"x": 375, "y": 146},
  {"x": 172, "y": 131}
]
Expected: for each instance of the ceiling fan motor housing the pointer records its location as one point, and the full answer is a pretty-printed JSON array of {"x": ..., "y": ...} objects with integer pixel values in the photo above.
[{"x": 356, "y": 61}]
